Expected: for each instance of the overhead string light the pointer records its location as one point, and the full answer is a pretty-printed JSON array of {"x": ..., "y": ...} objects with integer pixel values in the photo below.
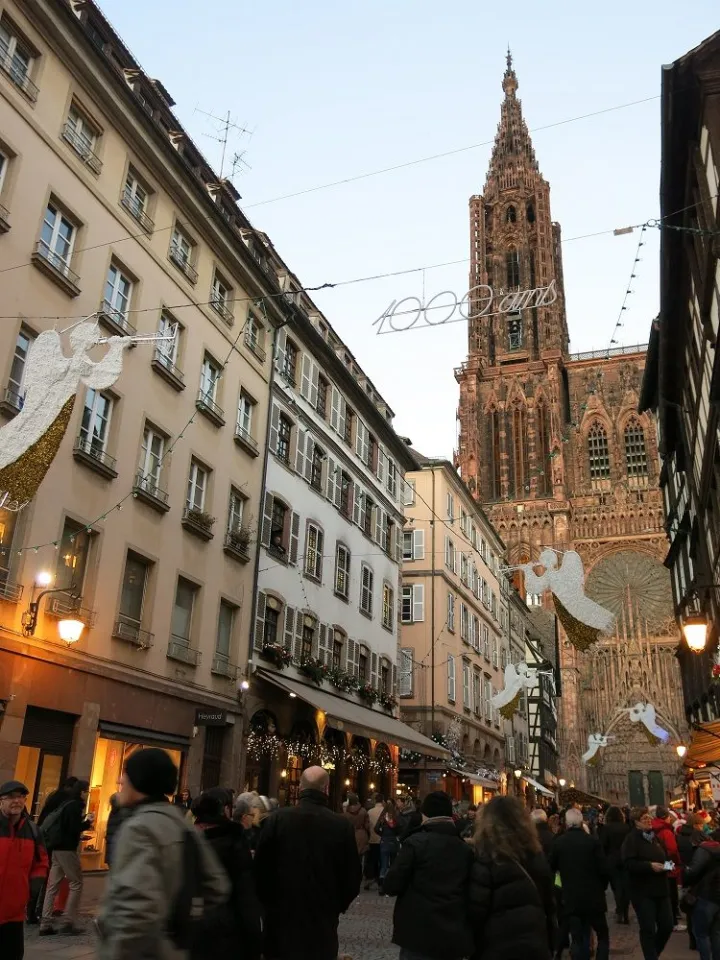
[{"x": 629, "y": 290}]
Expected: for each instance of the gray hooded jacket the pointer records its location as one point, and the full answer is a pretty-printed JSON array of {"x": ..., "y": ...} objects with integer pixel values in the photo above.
[{"x": 145, "y": 881}]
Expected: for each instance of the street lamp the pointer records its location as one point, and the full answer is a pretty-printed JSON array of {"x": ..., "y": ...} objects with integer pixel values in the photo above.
[
  {"x": 695, "y": 628},
  {"x": 681, "y": 750},
  {"x": 562, "y": 781},
  {"x": 517, "y": 774},
  {"x": 70, "y": 630}
]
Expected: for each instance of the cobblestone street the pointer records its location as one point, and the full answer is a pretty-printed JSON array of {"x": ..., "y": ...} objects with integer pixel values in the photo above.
[{"x": 365, "y": 933}]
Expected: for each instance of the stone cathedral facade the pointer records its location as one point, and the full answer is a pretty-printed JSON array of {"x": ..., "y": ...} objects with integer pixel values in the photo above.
[{"x": 552, "y": 445}]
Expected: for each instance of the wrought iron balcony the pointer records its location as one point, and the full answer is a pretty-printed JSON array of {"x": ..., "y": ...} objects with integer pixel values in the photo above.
[
  {"x": 12, "y": 592},
  {"x": 146, "y": 489},
  {"x": 220, "y": 307},
  {"x": 212, "y": 410},
  {"x": 4, "y": 219},
  {"x": 11, "y": 403},
  {"x": 177, "y": 256},
  {"x": 179, "y": 649},
  {"x": 129, "y": 630},
  {"x": 67, "y": 606},
  {"x": 115, "y": 319},
  {"x": 55, "y": 267},
  {"x": 222, "y": 667},
  {"x": 90, "y": 453},
  {"x": 243, "y": 439},
  {"x": 252, "y": 343},
  {"x": 198, "y": 523},
  {"x": 168, "y": 369},
  {"x": 81, "y": 148},
  {"x": 17, "y": 73},
  {"x": 136, "y": 210},
  {"x": 237, "y": 547}
]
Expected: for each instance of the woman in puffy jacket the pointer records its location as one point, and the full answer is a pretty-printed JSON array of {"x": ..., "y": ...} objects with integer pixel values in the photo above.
[{"x": 511, "y": 894}]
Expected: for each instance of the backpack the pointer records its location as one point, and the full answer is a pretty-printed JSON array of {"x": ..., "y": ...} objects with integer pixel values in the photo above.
[
  {"x": 186, "y": 912},
  {"x": 51, "y": 831}
]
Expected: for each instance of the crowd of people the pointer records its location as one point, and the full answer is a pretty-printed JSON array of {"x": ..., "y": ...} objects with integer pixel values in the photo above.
[{"x": 223, "y": 876}]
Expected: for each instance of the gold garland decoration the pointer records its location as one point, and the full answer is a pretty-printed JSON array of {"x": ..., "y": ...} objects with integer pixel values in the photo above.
[
  {"x": 509, "y": 709},
  {"x": 580, "y": 635},
  {"x": 21, "y": 479}
]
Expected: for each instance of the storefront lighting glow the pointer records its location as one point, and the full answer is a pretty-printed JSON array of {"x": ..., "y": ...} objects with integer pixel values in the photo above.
[{"x": 70, "y": 630}]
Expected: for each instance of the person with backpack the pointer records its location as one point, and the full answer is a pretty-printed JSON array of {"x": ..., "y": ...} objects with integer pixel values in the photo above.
[
  {"x": 162, "y": 869},
  {"x": 61, "y": 833},
  {"x": 23, "y": 865},
  {"x": 703, "y": 879}
]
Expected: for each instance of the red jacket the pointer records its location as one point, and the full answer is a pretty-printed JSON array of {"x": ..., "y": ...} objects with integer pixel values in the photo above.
[
  {"x": 666, "y": 835},
  {"x": 22, "y": 859}
]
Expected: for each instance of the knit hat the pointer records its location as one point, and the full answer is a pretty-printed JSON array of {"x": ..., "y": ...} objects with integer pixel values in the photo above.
[
  {"x": 13, "y": 786},
  {"x": 437, "y": 804},
  {"x": 662, "y": 813},
  {"x": 152, "y": 772}
]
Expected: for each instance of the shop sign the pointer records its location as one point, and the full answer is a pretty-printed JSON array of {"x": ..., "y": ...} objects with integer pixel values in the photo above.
[
  {"x": 433, "y": 777},
  {"x": 210, "y": 718}
]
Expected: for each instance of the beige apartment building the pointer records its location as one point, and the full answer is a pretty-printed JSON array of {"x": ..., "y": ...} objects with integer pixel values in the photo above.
[
  {"x": 455, "y": 643},
  {"x": 146, "y": 522}
]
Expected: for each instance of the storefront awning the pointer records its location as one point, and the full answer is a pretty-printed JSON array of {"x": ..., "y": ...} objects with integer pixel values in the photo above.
[
  {"x": 356, "y": 719},
  {"x": 119, "y": 731},
  {"x": 539, "y": 787},
  {"x": 474, "y": 778},
  {"x": 705, "y": 745}
]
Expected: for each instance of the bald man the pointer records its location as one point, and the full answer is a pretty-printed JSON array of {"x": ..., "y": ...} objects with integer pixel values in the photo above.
[{"x": 308, "y": 872}]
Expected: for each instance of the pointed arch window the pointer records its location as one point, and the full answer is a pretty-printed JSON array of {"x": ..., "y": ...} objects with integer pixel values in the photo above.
[
  {"x": 512, "y": 268},
  {"x": 635, "y": 451},
  {"x": 510, "y": 215},
  {"x": 530, "y": 213},
  {"x": 598, "y": 453},
  {"x": 493, "y": 456},
  {"x": 544, "y": 484}
]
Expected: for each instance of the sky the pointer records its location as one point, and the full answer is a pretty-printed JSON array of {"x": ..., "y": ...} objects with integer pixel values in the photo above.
[{"x": 331, "y": 91}]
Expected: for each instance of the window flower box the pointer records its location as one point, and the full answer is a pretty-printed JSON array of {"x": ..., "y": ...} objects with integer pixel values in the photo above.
[
  {"x": 277, "y": 655},
  {"x": 314, "y": 669}
]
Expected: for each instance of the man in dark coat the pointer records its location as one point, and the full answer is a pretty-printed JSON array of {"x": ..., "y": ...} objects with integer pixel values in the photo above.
[
  {"x": 578, "y": 857},
  {"x": 644, "y": 858},
  {"x": 65, "y": 860},
  {"x": 429, "y": 878},
  {"x": 308, "y": 872},
  {"x": 545, "y": 834}
]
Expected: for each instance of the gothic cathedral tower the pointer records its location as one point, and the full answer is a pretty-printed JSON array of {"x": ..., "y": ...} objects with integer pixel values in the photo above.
[{"x": 551, "y": 444}]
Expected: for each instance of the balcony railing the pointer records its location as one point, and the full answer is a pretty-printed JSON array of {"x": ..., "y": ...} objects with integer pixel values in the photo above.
[
  {"x": 243, "y": 438},
  {"x": 89, "y": 452},
  {"x": 613, "y": 352},
  {"x": 236, "y": 547},
  {"x": 179, "y": 649},
  {"x": 115, "y": 319},
  {"x": 199, "y": 523},
  {"x": 178, "y": 257},
  {"x": 4, "y": 219},
  {"x": 17, "y": 73},
  {"x": 220, "y": 307},
  {"x": 56, "y": 267},
  {"x": 223, "y": 668},
  {"x": 70, "y": 607},
  {"x": 81, "y": 148},
  {"x": 136, "y": 209},
  {"x": 12, "y": 592},
  {"x": 129, "y": 630},
  {"x": 168, "y": 369},
  {"x": 212, "y": 410},
  {"x": 252, "y": 343},
  {"x": 12, "y": 402},
  {"x": 146, "y": 489}
]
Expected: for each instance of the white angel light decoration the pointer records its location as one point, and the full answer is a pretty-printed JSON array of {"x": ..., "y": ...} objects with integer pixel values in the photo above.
[
  {"x": 645, "y": 713},
  {"x": 596, "y": 742},
  {"x": 518, "y": 677},
  {"x": 583, "y": 619},
  {"x": 29, "y": 442}
]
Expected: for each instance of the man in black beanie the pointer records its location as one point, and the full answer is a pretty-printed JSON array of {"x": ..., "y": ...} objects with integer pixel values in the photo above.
[
  {"x": 151, "y": 887},
  {"x": 429, "y": 878}
]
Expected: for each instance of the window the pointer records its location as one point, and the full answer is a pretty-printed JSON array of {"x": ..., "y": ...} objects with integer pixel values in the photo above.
[
  {"x": 388, "y": 606},
  {"x": 391, "y": 478},
  {"x": 408, "y": 551},
  {"x": 322, "y": 395},
  {"x": 57, "y": 239},
  {"x": 289, "y": 367},
  {"x": 449, "y": 554},
  {"x": 345, "y": 495},
  {"x": 635, "y": 453},
  {"x": 544, "y": 479},
  {"x": 167, "y": 350},
  {"x": 254, "y": 335},
  {"x": 464, "y": 623},
  {"x": 451, "y": 679},
  {"x": 451, "y": 612},
  {"x": 486, "y": 642},
  {"x": 118, "y": 289},
  {"x": 313, "y": 552},
  {"x": 270, "y": 628},
  {"x": 599, "y": 453},
  {"x": 225, "y": 625},
  {"x": 342, "y": 571},
  {"x": 467, "y": 693},
  {"x": 463, "y": 569},
  {"x": 385, "y": 679},
  {"x": 135, "y": 200},
  {"x": 277, "y": 527},
  {"x": 337, "y": 651},
  {"x": 95, "y": 421},
  {"x": 450, "y": 508},
  {"x": 17, "y": 370},
  {"x": 209, "y": 376},
  {"x": 530, "y": 213},
  {"x": 363, "y": 667},
  {"x": 245, "y": 416},
  {"x": 510, "y": 215},
  {"x": 132, "y": 595},
  {"x": 405, "y": 680},
  {"x": 16, "y": 60},
  {"x": 181, "y": 252},
  {"x": 181, "y": 624},
  {"x": 236, "y": 508},
  {"x": 220, "y": 297},
  {"x": 308, "y": 636},
  {"x": 366, "y": 590},
  {"x": 512, "y": 270},
  {"x": 284, "y": 435},
  {"x": 151, "y": 457},
  {"x": 495, "y": 653},
  {"x": 367, "y": 514},
  {"x": 316, "y": 467},
  {"x": 82, "y": 137},
  {"x": 475, "y": 633},
  {"x": 72, "y": 557},
  {"x": 349, "y": 422},
  {"x": 3, "y": 169},
  {"x": 373, "y": 456},
  {"x": 407, "y": 605},
  {"x": 409, "y": 493},
  {"x": 197, "y": 487},
  {"x": 476, "y": 693},
  {"x": 515, "y": 331}
]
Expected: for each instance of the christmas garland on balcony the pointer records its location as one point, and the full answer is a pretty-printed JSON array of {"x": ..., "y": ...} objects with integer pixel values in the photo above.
[{"x": 261, "y": 745}]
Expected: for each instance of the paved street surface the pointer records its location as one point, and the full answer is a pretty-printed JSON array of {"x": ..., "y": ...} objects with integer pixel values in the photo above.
[{"x": 365, "y": 933}]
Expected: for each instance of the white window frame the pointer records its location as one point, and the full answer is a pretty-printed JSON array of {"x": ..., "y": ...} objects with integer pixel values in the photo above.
[
  {"x": 245, "y": 414},
  {"x": 168, "y": 349},
  {"x": 209, "y": 377},
  {"x": 450, "y": 508},
  {"x": 220, "y": 293},
  {"x": 231, "y": 629},
  {"x": 236, "y": 509},
  {"x": 147, "y": 456},
  {"x": 118, "y": 301},
  {"x": 95, "y": 396},
  {"x": 451, "y": 611},
  {"x": 409, "y": 493},
  {"x": 197, "y": 485},
  {"x": 408, "y": 539},
  {"x": 464, "y": 622},
  {"x": 314, "y": 551},
  {"x": 182, "y": 245},
  {"x": 14, "y": 385},
  {"x": 85, "y": 134},
  {"x": 388, "y": 605},
  {"x": 451, "y": 679},
  {"x": 367, "y": 585},
  {"x": 135, "y": 194},
  {"x": 467, "y": 680},
  {"x": 342, "y": 571},
  {"x": 4, "y": 164},
  {"x": 16, "y": 53},
  {"x": 59, "y": 261},
  {"x": 405, "y": 672},
  {"x": 406, "y": 605}
]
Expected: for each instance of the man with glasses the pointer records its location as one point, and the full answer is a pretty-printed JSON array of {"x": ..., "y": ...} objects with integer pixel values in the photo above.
[
  {"x": 647, "y": 866},
  {"x": 23, "y": 862}
]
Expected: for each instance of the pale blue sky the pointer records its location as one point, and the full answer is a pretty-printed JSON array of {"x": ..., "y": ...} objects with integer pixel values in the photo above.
[{"x": 333, "y": 89}]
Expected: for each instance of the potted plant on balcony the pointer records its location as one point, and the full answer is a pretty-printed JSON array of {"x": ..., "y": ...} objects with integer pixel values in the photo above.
[
  {"x": 239, "y": 538},
  {"x": 341, "y": 680},
  {"x": 277, "y": 655},
  {"x": 388, "y": 701},
  {"x": 315, "y": 669},
  {"x": 200, "y": 518},
  {"x": 368, "y": 693}
]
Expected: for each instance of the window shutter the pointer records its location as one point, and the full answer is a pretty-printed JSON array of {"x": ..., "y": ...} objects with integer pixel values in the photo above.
[
  {"x": 418, "y": 603},
  {"x": 382, "y": 465},
  {"x": 351, "y": 648},
  {"x": 380, "y": 519},
  {"x": 393, "y": 679},
  {"x": 405, "y": 684},
  {"x": 309, "y": 451},
  {"x": 343, "y": 417},
  {"x": 294, "y": 536},
  {"x": 335, "y": 399},
  {"x": 267, "y": 520},
  {"x": 300, "y": 452},
  {"x": 316, "y": 640},
  {"x": 374, "y": 676},
  {"x": 359, "y": 431},
  {"x": 306, "y": 376},
  {"x": 274, "y": 427},
  {"x": 451, "y": 678},
  {"x": 326, "y": 638},
  {"x": 297, "y": 646},
  {"x": 418, "y": 544},
  {"x": 357, "y": 503},
  {"x": 398, "y": 543},
  {"x": 511, "y": 749},
  {"x": 448, "y": 561},
  {"x": 331, "y": 479},
  {"x": 289, "y": 634},
  {"x": 259, "y": 636},
  {"x": 314, "y": 377},
  {"x": 377, "y": 524},
  {"x": 280, "y": 342},
  {"x": 466, "y": 685}
]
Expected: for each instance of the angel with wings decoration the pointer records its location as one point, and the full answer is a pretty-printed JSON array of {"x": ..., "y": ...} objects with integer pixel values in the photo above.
[
  {"x": 596, "y": 742},
  {"x": 645, "y": 713},
  {"x": 583, "y": 620},
  {"x": 518, "y": 677},
  {"x": 29, "y": 442}
]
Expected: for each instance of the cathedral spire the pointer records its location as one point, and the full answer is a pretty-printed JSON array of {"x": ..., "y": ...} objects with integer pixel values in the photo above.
[{"x": 513, "y": 158}]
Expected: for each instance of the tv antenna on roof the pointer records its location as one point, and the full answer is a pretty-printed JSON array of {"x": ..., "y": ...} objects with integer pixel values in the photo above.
[{"x": 222, "y": 137}]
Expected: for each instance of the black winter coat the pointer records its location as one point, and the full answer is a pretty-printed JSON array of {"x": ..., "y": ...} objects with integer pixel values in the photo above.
[
  {"x": 512, "y": 911},
  {"x": 611, "y": 840},
  {"x": 430, "y": 880},
  {"x": 308, "y": 872},
  {"x": 546, "y": 837},
  {"x": 688, "y": 839},
  {"x": 578, "y": 858},
  {"x": 54, "y": 800},
  {"x": 704, "y": 872},
  {"x": 637, "y": 855},
  {"x": 73, "y": 823},
  {"x": 233, "y": 929}
]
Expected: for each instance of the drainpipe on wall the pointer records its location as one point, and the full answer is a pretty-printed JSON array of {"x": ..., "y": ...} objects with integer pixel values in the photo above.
[{"x": 432, "y": 612}]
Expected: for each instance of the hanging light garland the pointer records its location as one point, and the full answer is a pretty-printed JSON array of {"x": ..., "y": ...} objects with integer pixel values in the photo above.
[{"x": 261, "y": 745}]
